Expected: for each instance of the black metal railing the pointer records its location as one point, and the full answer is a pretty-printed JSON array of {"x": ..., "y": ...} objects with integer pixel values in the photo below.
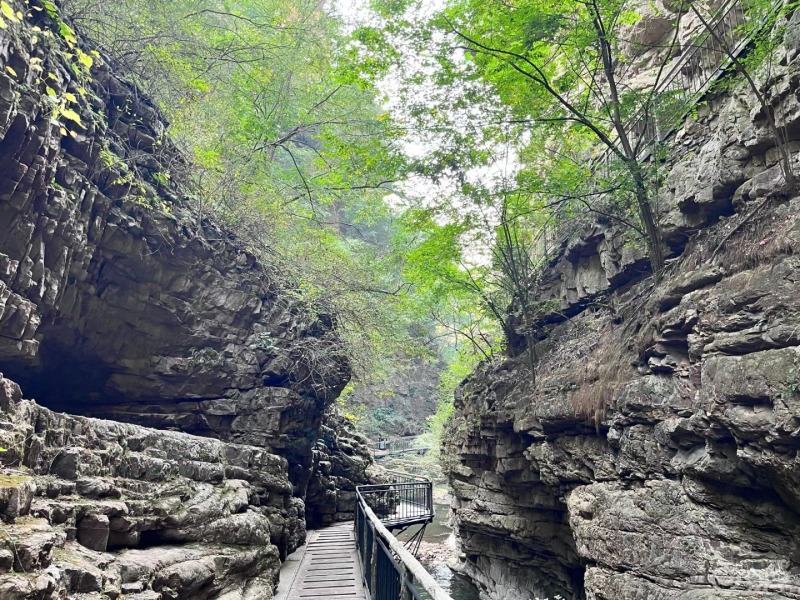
[
  {"x": 390, "y": 571},
  {"x": 405, "y": 445},
  {"x": 396, "y": 444},
  {"x": 405, "y": 500}
]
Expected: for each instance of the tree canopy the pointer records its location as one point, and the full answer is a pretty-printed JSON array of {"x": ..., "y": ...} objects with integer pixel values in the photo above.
[{"x": 411, "y": 175}]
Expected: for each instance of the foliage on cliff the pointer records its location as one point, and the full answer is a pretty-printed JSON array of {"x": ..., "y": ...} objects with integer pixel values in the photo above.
[{"x": 412, "y": 179}]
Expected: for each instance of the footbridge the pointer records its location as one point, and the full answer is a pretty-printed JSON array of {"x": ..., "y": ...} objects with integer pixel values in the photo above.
[
  {"x": 367, "y": 561},
  {"x": 415, "y": 444}
]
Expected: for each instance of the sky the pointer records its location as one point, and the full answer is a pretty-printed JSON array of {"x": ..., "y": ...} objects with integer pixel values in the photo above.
[{"x": 421, "y": 191}]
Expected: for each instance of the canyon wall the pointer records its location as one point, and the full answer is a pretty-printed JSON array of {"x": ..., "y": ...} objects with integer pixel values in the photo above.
[
  {"x": 120, "y": 300},
  {"x": 342, "y": 461},
  {"x": 656, "y": 455}
]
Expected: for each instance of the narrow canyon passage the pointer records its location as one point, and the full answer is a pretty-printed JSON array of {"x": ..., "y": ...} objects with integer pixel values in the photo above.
[{"x": 257, "y": 256}]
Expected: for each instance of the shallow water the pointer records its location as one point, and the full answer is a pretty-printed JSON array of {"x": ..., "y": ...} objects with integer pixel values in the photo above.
[
  {"x": 439, "y": 546},
  {"x": 458, "y": 586}
]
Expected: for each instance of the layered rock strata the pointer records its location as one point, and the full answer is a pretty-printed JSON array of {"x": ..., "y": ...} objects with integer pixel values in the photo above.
[
  {"x": 342, "y": 461},
  {"x": 100, "y": 509},
  {"x": 118, "y": 299},
  {"x": 656, "y": 455}
]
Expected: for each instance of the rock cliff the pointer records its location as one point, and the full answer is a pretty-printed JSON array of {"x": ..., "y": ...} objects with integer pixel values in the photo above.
[
  {"x": 119, "y": 300},
  {"x": 656, "y": 455},
  {"x": 402, "y": 403},
  {"x": 342, "y": 461},
  {"x": 101, "y": 509},
  {"x": 116, "y": 299}
]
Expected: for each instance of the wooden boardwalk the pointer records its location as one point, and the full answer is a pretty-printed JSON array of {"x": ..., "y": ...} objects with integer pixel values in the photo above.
[{"x": 329, "y": 568}]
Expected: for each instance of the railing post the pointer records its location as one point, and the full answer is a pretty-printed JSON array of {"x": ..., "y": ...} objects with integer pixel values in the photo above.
[
  {"x": 373, "y": 576},
  {"x": 405, "y": 584}
]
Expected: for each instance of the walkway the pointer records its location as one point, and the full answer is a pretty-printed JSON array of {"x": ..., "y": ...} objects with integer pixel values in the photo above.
[{"x": 328, "y": 568}]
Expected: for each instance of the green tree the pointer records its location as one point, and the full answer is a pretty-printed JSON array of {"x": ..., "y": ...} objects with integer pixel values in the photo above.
[
  {"x": 282, "y": 145},
  {"x": 559, "y": 72}
]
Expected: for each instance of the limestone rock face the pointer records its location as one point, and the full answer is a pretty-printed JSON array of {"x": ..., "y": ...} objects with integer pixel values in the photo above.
[
  {"x": 117, "y": 299},
  {"x": 657, "y": 465},
  {"x": 412, "y": 396},
  {"x": 656, "y": 457},
  {"x": 105, "y": 508},
  {"x": 342, "y": 461}
]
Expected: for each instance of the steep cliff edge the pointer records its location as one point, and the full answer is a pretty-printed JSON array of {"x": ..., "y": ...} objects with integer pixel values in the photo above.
[{"x": 657, "y": 455}]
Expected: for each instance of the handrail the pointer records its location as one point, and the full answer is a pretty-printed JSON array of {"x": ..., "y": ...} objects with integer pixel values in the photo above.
[
  {"x": 390, "y": 571},
  {"x": 402, "y": 501},
  {"x": 394, "y": 444},
  {"x": 403, "y": 477}
]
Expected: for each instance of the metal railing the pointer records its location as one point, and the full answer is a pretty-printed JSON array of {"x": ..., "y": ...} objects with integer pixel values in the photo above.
[
  {"x": 396, "y": 444},
  {"x": 405, "y": 500},
  {"x": 390, "y": 571}
]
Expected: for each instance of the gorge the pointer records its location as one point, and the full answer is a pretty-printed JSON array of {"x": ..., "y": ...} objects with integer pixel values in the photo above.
[{"x": 171, "y": 400}]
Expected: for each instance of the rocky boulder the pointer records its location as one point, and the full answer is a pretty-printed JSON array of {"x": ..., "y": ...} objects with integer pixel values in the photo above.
[
  {"x": 106, "y": 508},
  {"x": 342, "y": 461}
]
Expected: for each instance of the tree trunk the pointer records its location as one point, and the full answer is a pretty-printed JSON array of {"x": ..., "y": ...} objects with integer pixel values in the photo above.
[{"x": 654, "y": 242}]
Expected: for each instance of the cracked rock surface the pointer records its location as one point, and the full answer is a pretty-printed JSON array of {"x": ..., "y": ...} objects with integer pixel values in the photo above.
[
  {"x": 116, "y": 299},
  {"x": 98, "y": 509},
  {"x": 656, "y": 458}
]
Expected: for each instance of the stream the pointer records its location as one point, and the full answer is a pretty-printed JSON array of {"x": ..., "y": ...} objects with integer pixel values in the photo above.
[{"x": 438, "y": 546}]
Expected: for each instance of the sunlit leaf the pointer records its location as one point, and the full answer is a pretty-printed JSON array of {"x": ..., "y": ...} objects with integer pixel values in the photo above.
[
  {"x": 70, "y": 114},
  {"x": 85, "y": 59},
  {"x": 7, "y": 11}
]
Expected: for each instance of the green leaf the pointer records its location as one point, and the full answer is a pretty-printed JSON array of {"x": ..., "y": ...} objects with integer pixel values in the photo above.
[
  {"x": 67, "y": 33},
  {"x": 8, "y": 12},
  {"x": 70, "y": 114},
  {"x": 85, "y": 59}
]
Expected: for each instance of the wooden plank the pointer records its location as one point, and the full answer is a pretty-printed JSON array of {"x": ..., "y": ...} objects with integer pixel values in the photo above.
[{"x": 330, "y": 567}]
